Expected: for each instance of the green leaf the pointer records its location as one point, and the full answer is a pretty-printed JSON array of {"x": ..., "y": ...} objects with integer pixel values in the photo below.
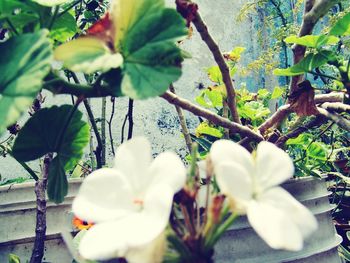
[
  {"x": 307, "y": 64},
  {"x": 263, "y": 93},
  {"x": 211, "y": 97},
  {"x": 342, "y": 27},
  {"x": 64, "y": 28},
  {"x": 277, "y": 93},
  {"x": 14, "y": 258},
  {"x": 214, "y": 74},
  {"x": 204, "y": 128},
  {"x": 303, "y": 140},
  {"x": 312, "y": 41},
  {"x": 24, "y": 63},
  {"x": 41, "y": 135},
  {"x": 50, "y": 3},
  {"x": 151, "y": 58},
  {"x": 317, "y": 150},
  {"x": 88, "y": 54}
]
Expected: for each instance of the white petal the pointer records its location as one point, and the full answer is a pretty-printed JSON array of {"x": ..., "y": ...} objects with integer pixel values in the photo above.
[
  {"x": 236, "y": 183},
  {"x": 299, "y": 214},
  {"x": 273, "y": 165},
  {"x": 202, "y": 169},
  {"x": 133, "y": 159},
  {"x": 135, "y": 231},
  {"x": 104, "y": 195},
  {"x": 274, "y": 226},
  {"x": 168, "y": 168},
  {"x": 158, "y": 203},
  {"x": 224, "y": 151},
  {"x": 150, "y": 253}
]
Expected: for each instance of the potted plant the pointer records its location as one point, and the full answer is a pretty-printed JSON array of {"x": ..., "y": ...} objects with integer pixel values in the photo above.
[{"x": 132, "y": 51}]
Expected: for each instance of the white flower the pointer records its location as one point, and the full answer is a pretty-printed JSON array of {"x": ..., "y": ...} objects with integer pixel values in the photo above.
[
  {"x": 251, "y": 184},
  {"x": 130, "y": 204}
]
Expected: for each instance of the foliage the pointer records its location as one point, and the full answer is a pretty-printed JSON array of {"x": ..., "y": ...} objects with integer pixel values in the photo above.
[{"x": 67, "y": 135}]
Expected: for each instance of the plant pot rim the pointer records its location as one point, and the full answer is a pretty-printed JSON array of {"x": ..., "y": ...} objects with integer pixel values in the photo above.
[{"x": 30, "y": 184}]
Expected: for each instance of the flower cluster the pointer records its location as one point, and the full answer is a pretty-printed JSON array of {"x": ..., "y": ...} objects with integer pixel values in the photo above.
[{"x": 131, "y": 203}]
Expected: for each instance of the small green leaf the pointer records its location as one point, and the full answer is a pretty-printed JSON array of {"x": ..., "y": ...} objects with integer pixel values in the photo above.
[
  {"x": 307, "y": 64},
  {"x": 24, "y": 62},
  {"x": 214, "y": 74},
  {"x": 303, "y": 139},
  {"x": 206, "y": 129},
  {"x": 342, "y": 27},
  {"x": 277, "y": 93},
  {"x": 41, "y": 135},
  {"x": 317, "y": 150},
  {"x": 312, "y": 41},
  {"x": 14, "y": 258}
]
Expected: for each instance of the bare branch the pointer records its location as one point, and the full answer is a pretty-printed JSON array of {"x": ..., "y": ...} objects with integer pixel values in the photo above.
[
  {"x": 336, "y": 106},
  {"x": 214, "y": 48},
  {"x": 183, "y": 124},
  {"x": 214, "y": 118},
  {"x": 331, "y": 97},
  {"x": 339, "y": 120}
]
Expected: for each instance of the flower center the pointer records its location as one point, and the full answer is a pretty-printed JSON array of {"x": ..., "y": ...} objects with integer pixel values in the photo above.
[{"x": 139, "y": 203}]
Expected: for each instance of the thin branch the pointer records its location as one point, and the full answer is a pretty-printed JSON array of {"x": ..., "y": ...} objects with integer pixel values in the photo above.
[
  {"x": 98, "y": 150},
  {"x": 214, "y": 118},
  {"x": 183, "y": 124},
  {"x": 331, "y": 97},
  {"x": 275, "y": 119},
  {"x": 103, "y": 130},
  {"x": 316, "y": 121},
  {"x": 40, "y": 228},
  {"x": 131, "y": 118},
  {"x": 214, "y": 48},
  {"x": 339, "y": 120},
  {"x": 336, "y": 106},
  {"x": 110, "y": 126}
]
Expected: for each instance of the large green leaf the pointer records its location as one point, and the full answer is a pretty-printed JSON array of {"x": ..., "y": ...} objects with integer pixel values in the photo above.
[
  {"x": 152, "y": 59},
  {"x": 24, "y": 62},
  {"x": 312, "y": 41},
  {"x": 41, "y": 135},
  {"x": 342, "y": 27},
  {"x": 310, "y": 62}
]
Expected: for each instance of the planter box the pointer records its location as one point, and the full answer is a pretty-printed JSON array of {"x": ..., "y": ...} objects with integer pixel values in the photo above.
[
  {"x": 241, "y": 243},
  {"x": 18, "y": 219}
]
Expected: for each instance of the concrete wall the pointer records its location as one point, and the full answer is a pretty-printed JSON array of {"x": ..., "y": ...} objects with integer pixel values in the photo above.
[{"x": 156, "y": 119}]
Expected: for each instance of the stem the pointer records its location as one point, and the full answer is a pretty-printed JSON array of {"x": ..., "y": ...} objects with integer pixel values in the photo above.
[
  {"x": 131, "y": 118},
  {"x": 215, "y": 50},
  {"x": 40, "y": 229},
  {"x": 110, "y": 126},
  {"x": 103, "y": 131},
  {"x": 183, "y": 124},
  {"x": 98, "y": 150},
  {"x": 8, "y": 21}
]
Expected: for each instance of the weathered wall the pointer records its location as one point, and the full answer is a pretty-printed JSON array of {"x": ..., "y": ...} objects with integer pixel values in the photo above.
[{"x": 155, "y": 118}]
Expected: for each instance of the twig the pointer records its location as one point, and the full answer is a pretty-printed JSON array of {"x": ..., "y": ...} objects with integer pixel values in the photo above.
[
  {"x": 331, "y": 97},
  {"x": 317, "y": 121},
  {"x": 40, "y": 229},
  {"x": 128, "y": 117},
  {"x": 98, "y": 150},
  {"x": 276, "y": 118},
  {"x": 183, "y": 124},
  {"x": 225, "y": 72},
  {"x": 336, "y": 106},
  {"x": 131, "y": 118},
  {"x": 339, "y": 120},
  {"x": 110, "y": 125},
  {"x": 214, "y": 118},
  {"x": 103, "y": 131}
]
